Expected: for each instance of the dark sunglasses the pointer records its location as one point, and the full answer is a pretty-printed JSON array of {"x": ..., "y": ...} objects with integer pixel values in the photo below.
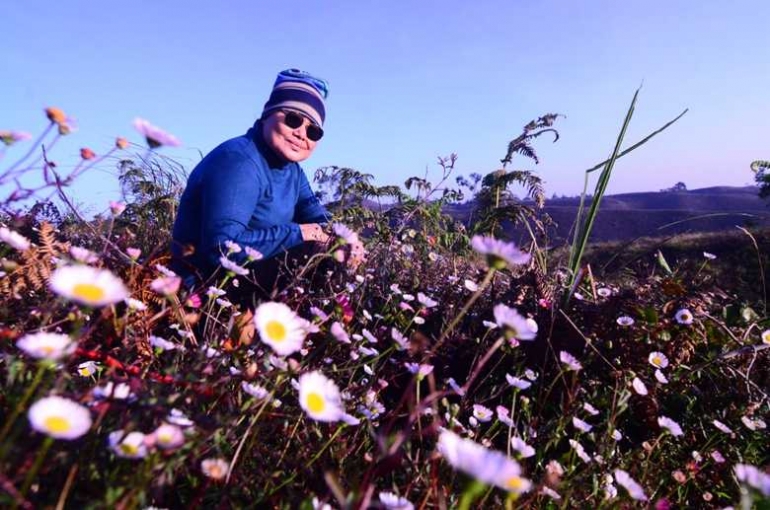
[{"x": 295, "y": 120}]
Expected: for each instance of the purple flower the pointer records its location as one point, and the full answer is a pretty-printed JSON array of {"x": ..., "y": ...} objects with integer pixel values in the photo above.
[
  {"x": 154, "y": 135},
  {"x": 11, "y": 137},
  {"x": 499, "y": 253}
]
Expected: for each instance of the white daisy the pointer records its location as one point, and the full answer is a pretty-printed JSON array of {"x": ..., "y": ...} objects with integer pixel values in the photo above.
[
  {"x": 177, "y": 417},
  {"x": 320, "y": 398},
  {"x": 168, "y": 437},
  {"x": 120, "y": 391},
  {"x": 580, "y": 451},
  {"x": 59, "y": 418},
  {"x": 50, "y": 346},
  {"x": 616, "y": 435},
  {"x": 753, "y": 423},
  {"x": 516, "y": 382},
  {"x": 131, "y": 446},
  {"x": 580, "y": 424},
  {"x": 279, "y": 327},
  {"x": 625, "y": 320},
  {"x": 684, "y": 316},
  {"x": 162, "y": 343},
  {"x": 83, "y": 255},
  {"x": 482, "y": 413},
  {"x": 709, "y": 256},
  {"x": 766, "y": 337},
  {"x": 721, "y": 426},
  {"x": 135, "y": 304},
  {"x": 499, "y": 254},
  {"x": 402, "y": 342},
  {"x": 14, "y": 239},
  {"x": 590, "y": 409},
  {"x": 753, "y": 477},
  {"x": 87, "y": 368},
  {"x": 522, "y": 447},
  {"x": 255, "y": 390},
  {"x": 216, "y": 469},
  {"x": 232, "y": 268},
  {"x": 658, "y": 359},
  {"x": 487, "y": 466},
  {"x": 569, "y": 360},
  {"x": 514, "y": 324},
  {"x": 604, "y": 292},
  {"x": 639, "y": 386},
  {"x": 393, "y": 502},
  {"x": 166, "y": 285},
  {"x": 426, "y": 301},
  {"x": 252, "y": 254},
  {"x": 88, "y": 285},
  {"x": 339, "y": 333},
  {"x": 634, "y": 489},
  {"x": 471, "y": 285},
  {"x": 669, "y": 424},
  {"x": 345, "y": 233}
]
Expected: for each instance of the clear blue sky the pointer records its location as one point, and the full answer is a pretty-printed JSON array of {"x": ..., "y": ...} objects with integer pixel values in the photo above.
[{"x": 409, "y": 81}]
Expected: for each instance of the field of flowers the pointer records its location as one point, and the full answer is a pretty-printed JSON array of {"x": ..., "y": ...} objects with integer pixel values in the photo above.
[{"x": 452, "y": 369}]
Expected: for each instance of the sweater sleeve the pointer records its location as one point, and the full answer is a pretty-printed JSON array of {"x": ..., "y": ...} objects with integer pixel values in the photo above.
[
  {"x": 309, "y": 209},
  {"x": 229, "y": 191}
]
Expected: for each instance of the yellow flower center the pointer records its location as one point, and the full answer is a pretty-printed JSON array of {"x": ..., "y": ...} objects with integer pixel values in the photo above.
[
  {"x": 514, "y": 483},
  {"x": 215, "y": 471},
  {"x": 47, "y": 350},
  {"x": 57, "y": 424},
  {"x": 88, "y": 292},
  {"x": 315, "y": 403},
  {"x": 657, "y": 361},
  {"x": 165, "y": 438},
  {"x": 276, "y": 331},
  {"x": 129, "y": 449}
]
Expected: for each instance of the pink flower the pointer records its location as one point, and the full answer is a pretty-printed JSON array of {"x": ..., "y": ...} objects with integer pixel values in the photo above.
[
  {"x": 154, "y": 135},
  {"x": 166, "y": 285},
  {"x": 569, "y": 360},
  {"x": 339, "y": 333}
]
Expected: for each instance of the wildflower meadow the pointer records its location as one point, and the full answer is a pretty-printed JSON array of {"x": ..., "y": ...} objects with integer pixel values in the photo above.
[{"x": 463, "y": 364}]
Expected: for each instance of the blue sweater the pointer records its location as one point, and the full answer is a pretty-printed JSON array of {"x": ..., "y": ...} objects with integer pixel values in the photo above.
[{"x": 241, "y": 191}]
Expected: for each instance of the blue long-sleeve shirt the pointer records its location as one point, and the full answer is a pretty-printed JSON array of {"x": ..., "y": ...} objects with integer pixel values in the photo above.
[{"x": 243, "y": 192}]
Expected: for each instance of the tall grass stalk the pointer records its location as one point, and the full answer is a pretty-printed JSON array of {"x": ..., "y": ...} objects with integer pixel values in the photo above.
[{"x": 583, "y": 228}]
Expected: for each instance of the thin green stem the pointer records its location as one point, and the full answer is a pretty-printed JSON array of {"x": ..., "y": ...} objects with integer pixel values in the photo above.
[
  {"x": 20, "y": 406},
  {"x": 41, "y": 454}
]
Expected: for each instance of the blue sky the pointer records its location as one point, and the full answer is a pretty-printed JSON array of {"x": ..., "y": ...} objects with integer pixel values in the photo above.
[{"x": 409, "y": 81}]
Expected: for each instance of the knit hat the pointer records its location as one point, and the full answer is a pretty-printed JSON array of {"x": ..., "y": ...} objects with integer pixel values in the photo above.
[{"x": 299, "y": 91}]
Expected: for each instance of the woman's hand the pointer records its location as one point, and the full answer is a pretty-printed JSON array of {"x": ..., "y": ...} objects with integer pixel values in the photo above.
[{"x": 313, "y": 232}]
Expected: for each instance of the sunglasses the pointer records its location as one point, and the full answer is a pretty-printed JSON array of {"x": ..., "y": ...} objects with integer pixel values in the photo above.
[{"x": 295, "y": 120}]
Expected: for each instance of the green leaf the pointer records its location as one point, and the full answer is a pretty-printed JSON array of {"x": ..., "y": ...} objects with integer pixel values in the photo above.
[{"x": 663, "y": 263}]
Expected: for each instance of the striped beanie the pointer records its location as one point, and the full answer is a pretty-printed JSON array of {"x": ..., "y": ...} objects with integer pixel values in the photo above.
[{"x": 299, "y": 91}]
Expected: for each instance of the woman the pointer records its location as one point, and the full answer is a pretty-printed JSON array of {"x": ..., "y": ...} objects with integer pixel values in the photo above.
[{"x": 251, "y": 191}]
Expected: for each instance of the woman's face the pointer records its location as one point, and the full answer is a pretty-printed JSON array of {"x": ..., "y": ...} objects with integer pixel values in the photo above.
[{"x": 291, "y": 144}]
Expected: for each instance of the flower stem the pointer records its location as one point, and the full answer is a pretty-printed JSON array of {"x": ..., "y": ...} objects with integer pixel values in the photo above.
[
  {"x": 465, "y": 308},
  {"x": 20, "y": 406},
  {"x": 41, "y": 454}
]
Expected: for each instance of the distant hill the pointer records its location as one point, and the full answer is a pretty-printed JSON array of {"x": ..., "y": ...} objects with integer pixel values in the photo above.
[{"x": 631, "y": 215}]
